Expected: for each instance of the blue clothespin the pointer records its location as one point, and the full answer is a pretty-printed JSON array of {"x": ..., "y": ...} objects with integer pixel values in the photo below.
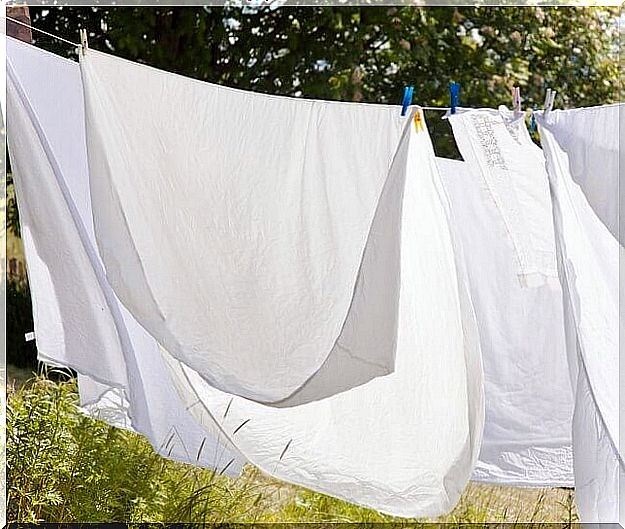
[
  {"x": 407, "y": 100},
  {"x": 454, "y": 96}
]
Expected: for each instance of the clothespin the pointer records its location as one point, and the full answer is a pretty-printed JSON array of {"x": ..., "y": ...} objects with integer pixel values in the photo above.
[
  {"x": 549, "y": 99},
  {"x": 516, "y": 99},
  {"x": 454, "y": 96},
  {"x": 418, "y": 120},
  {"x": 84, "y": 45},
  {"x": 407, "y": 100}
]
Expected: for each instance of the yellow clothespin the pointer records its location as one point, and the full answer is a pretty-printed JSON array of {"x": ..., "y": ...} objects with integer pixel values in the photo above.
[{"x": 418, "y": 120}]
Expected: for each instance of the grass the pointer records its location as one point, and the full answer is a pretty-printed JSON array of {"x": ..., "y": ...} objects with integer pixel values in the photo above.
[{"x": 65, "y": 467}]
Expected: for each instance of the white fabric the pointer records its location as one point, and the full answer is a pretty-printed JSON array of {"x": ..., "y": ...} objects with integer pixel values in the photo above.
[
  {"x": 78, "y": 321},
  {"x": 513, "y": 172},
  {"x": 62, "y": 278},
  {"x": 247, "y": 232},
  {"x": 529, "y": 406},
  {"x": 589, "y": 256},
  {"x": 340, "y": 445},
  {"x": 404, "y": 444},
  {"x": 590, "y": 138}
]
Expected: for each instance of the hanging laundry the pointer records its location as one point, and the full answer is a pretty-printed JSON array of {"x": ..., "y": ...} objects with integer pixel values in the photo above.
[
  {"x": 340, "y": 445},
  {"x": 590, "y": 138},
  {"x": 70, "y": 310},
  {"x": 237, "y": 229},
  {"x": 78, "y": 321},
  {"x": 589, "y": 256},
  {"x": 529, "y": 400},
  {"x": 255, "y": 247},
  {"x": 513, "y": 173},
  {"x": 404, "y": 444}
]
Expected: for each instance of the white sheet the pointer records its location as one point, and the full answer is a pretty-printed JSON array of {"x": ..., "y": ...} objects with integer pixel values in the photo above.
[
  {"x": 589, "y": 256},
  {"x": 78, "y": 321},
  {"x": 529, "y": 399},
  {"x": 241, "y": 233},
  {"x": 404, "y": 444}
]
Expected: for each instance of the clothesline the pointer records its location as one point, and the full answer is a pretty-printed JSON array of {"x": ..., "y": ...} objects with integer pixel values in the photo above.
[
  {"x": 14, "y": 20},
  {"x": 442, "y": 109}
]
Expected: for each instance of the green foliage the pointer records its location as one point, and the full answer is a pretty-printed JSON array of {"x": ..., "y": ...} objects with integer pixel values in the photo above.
[
  {"x": 65, "y": 467},
  {"x": 310, "y": 506},
  {"x": 366, "y": 53}
]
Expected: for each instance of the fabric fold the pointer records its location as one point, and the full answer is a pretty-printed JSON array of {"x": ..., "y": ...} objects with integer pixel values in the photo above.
[
  {"x": 590, "y": 137},
  {"x": 240, "y": 233},
  {"x": 404, "y": 444}
]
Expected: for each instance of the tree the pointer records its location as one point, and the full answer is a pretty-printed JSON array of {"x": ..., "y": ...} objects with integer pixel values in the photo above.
[{"x": 367, "y": 53}]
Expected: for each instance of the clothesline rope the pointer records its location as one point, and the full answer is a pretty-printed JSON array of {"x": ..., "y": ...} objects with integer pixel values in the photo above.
[
  {"x": 14, "y": 20},
  {"x": 442, "y": 109}
]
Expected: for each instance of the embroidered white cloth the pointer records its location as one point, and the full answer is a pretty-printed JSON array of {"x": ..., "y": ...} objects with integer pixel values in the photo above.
[
  {"x": 247, "y": 233},
  {"x": 78, "y": 321},
  {"x": 529, "y": 400},
  {"x": 513, "y": 173},
  {"x": 589, "y": 259},
  {"x": 404, "y": 444}
]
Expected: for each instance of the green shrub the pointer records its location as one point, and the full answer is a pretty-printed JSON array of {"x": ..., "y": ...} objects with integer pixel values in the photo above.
[{"x": 65, "y": 467}]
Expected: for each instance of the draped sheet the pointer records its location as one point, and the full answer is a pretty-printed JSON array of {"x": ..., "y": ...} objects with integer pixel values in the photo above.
[
  {"x": 529, "y": 399},
  {"x": 255, "y": 237},
  {"x": 404, "y": 444},
  {"x": 78, "y": 321},
  {"x": 589, "y": 260}
]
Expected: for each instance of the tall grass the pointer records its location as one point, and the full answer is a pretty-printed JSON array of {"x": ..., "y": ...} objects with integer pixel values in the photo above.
[{"x": 63, "y": 466}]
